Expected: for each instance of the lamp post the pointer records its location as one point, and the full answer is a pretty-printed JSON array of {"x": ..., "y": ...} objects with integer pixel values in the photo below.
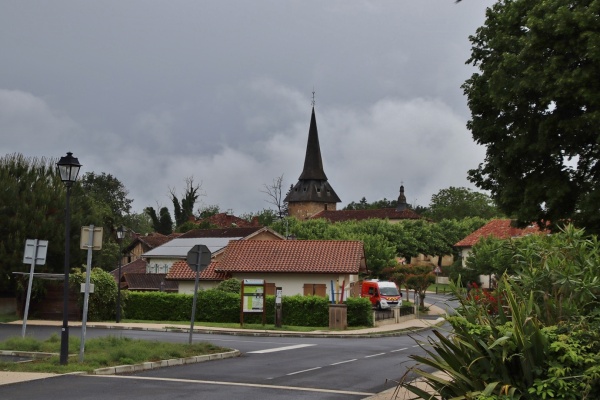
[
  {"x": 120, "y": 236},
  {"x": 68, "y": 167}
]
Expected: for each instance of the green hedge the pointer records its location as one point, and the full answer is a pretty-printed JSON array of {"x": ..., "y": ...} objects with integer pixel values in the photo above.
[{"x": 219, "y": 306}]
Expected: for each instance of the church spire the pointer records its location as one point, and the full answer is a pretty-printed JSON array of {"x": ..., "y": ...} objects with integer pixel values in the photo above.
[
  {"x": 312, "y": 193},
  {"x": 313, "y": 163}
]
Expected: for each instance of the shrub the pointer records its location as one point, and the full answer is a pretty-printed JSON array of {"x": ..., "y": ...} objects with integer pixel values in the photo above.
[
  {"x": 101, "y": 303},
  {"x": 360, "y": 311}
]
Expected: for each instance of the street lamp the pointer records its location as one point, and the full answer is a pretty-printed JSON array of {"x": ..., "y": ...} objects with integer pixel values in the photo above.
[
  {"x": 68, "y": 167},
  {"x": 120, "y": 236}
]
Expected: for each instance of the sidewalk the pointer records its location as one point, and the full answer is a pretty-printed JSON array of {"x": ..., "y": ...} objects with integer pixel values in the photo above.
[{"x": 401, "y": 328}]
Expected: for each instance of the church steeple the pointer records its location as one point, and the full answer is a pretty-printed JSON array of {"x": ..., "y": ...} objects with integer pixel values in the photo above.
[
  {"x": 312, "y": 193},
  {"x": 402, "y": 205},
  {"x": 313, "y": 163}
]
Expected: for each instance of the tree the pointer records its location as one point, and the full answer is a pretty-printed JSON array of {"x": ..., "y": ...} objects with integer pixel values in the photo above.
[
  {"x": 185, "y": 209},
  {"x": 110, "y": 195},
  {"x": 32, "y": 206},
  {"x": 275, "y": 196},
  {"x": 162, "y": 224},
  {"x": 459, "y": 203},
  {"x": 535, "y": 106}
]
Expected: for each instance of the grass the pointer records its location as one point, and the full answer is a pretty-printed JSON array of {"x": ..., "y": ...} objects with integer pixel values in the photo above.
[
  {"x": 99, "y": 353},
  {"x": 439, "y": 288},
  {"x": 8, "y": 317}
]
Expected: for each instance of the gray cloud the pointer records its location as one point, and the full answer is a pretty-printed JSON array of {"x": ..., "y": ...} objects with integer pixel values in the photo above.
[{"x": 153, "y": 92}]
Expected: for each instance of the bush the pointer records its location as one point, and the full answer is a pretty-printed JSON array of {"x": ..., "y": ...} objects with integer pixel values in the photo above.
[
  {"x": 360, "y": 311},
  {"x": 101, "y": 303},
  {"x": 223, "y": 307}
]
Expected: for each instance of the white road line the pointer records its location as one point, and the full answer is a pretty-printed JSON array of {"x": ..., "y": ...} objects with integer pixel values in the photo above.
[
  {"x": 296, "y": 388},
  {"x": 343, "y": 362},
  {"x": 375, "y": 355},
  {"x": 402, "y": 349},
  {"x": 416, "y": 345},
  {"x": 304, "y": 370},
  {"x": 297, "y": 346}
]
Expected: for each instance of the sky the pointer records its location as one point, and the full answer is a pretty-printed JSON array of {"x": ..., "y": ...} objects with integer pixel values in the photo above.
[{"x": 155, "y": 92}]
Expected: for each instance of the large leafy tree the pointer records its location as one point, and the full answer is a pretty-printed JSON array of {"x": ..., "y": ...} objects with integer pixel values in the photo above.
[
  {"x": 32, "y": 206},
  {"x": 109, "y": 196},
  {"x": 535, "y": 106},
  {"x": 459, "y": 203}
]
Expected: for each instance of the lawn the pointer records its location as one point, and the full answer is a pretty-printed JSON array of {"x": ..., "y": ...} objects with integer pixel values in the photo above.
[{"x": 99, "y": 353}]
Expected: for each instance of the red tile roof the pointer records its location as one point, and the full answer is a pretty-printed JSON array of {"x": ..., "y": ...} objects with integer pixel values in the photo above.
[
  {"x": 357, "y": 215},
  {"x": 220, "y": 233},
  {"x": 224, "y": 220},
  {"x": 145, "y": 282},
  {"x": 149, "y": 241},
  {"x": 292, "y": 256},
  {"x": 499, "y": 228},
  {"x": 181, "y": 271},
  {"x": 138, "y": 267}
]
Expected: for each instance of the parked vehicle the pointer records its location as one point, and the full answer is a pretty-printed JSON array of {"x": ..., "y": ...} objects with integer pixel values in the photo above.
[{"x": 383, "y": 294}]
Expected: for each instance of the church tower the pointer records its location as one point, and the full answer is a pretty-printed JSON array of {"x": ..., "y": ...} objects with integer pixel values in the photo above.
[{"x": 312, "y": 193}]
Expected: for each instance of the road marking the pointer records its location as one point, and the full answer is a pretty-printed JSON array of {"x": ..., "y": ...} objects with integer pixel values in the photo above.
[
  {"x": 304, "y": 370},
  {"x": 417, "y": 345},
  {"x": 343, "y": 362},
  {"x": 297, "y": 346},
  {"x": 375, "y": 355},
  {"x": 402, "y": 349},
  {"x": 257, "y": 385}
]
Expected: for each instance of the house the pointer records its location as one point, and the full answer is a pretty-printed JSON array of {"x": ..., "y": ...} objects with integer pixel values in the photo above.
[
  {"x": 312, "y": 193},
  {"x": 225, "y": 220},
  {"x": 163, "y": 257},
  {"x": 142, "y": 244},
  {"x": 134, "y": 277},
  {"x": 185, "y": 278},
  {"x": 498, "y": 228},
  {"x": 299, "y": 267}
]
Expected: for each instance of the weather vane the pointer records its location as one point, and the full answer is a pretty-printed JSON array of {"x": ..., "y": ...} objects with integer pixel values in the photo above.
[{"x": 313, "y": 100}]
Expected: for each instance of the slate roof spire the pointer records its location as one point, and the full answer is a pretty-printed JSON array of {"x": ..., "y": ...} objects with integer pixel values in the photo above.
[
  {"x": 313, "y": 163},
  {"x": 312, "y": 186}
]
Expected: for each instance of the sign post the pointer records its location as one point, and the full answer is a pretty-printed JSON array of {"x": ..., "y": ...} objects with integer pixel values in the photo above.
[
  {"x": 35, "y": 253},
  {"x": 278, "y": 316},
  {"x": 94, "y": 242},
  {"x": 198, "y": 258},
  {"x": 253, "y": 298}
]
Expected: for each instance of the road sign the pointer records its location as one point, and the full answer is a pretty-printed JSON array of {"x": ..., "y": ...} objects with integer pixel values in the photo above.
[
  {"x": 35, "y": 248},
  {"x": 198, "y": 258},
  {"x": 96, "y": 233}
]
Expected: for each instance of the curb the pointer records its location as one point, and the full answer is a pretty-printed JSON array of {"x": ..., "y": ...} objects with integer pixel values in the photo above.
[
  {"x": 124, "y": 369},
  {"x": 400, "y": 332}
]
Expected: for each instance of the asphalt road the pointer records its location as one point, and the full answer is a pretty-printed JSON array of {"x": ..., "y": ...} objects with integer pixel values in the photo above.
[{"x": 269, "y": 368}]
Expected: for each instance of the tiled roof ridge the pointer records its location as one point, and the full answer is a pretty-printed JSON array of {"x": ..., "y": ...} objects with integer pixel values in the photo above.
[{"x": 499, "y": 228}]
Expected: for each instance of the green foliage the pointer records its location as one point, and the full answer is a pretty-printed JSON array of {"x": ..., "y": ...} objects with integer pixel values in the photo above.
[
  {"x": 32, "y": 206},
  {"x": 364, "y": 205},
  {"x": 536, "y": 337},
  {"x": 493, "y": 256},
  {"x": 101, "y": 303},
  {"x": 220, "y": 306},
  {"x": 185, "y": 209},
  {"x": 162, "y": 224},
  {"x": 359, "y": 311},
  {"x": 535, "y": 106},
  {"x": 208, "y": 211},
  {"x": 101, "y": 352},
  {"x": 459, "y": 203},
  {"x": 384, "y": 241},
  {"x": 110, "y": 194},
  {"x": 230, "y": 285}
]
